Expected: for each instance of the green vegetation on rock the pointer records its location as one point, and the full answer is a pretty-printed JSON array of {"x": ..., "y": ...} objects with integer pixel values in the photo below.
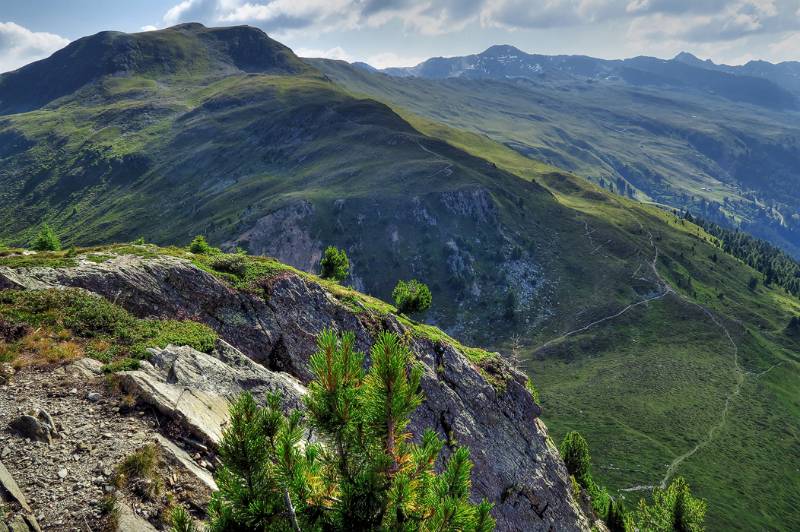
[
  {"x": 334, "y": 264},
  {"x": 411, "y": 296},
  {"x": 367, "y": 476},
  {"x": 70, "y": 323}
]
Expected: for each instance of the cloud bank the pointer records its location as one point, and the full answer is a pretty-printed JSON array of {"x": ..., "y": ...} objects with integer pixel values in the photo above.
[
  {"x": 19, "y": 45},
  {"x": 687, "y": 20}
]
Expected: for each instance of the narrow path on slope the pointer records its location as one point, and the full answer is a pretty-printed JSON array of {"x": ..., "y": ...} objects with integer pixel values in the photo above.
[
  {"x": 724, "y": 415},
  {"x": 664, "y": 288},
  {"x": 439, "y": 159},
  {"x": 740, "y": 374}
]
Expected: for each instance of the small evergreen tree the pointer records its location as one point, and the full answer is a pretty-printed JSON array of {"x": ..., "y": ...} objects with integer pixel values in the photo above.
[
  {"x": 672, "y": 509},
  {"x": 366, "y": 474},
  {"x": 793, "y": 328},
  {"x": 334, "y": 264},
  {"x": 46, "y": 240},
  {"x": 264, "y": 480},
  {"x": 412, "y": 296},
  {"x": 200, "y": 246},
  {"x": 615, "y": 517},
  {"x": 575, "y": 453},
  {"x": 752, "y": 283}
]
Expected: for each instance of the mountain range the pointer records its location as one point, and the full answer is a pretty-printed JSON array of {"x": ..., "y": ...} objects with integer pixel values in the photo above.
[
  {"x": 718, "y": 140},
  {"x": 670, "y": 354}
]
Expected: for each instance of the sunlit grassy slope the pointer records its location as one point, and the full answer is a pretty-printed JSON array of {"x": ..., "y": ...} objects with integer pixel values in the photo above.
[{"x": 652, "y": 383}]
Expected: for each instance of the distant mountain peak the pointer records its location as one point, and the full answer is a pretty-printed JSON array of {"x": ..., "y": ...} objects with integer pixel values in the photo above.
[
  {"x": 502, "y": 49},
  {"x": 691, "y": 59},
  {"x": 186, "y": 48},
  {"x": 191, "y": 26}
]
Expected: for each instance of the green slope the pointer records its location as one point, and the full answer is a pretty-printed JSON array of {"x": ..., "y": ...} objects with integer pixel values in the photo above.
[
  {"x": 518, "y": 254},
  {"x": 692, "y": 377},
  {"x": 732, "y": 162}
]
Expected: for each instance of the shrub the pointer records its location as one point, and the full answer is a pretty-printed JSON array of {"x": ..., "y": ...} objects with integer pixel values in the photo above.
[
  {"x": 368, "y": 476},
  {"x": 110, "y": 332},
  {"x": 46, "y": 240},
  {"x": 200, "y": 246},
  {"x": 673, "y": 508},
  {"x": 575, "y": 453},
  {"x": 412, "y": 296},
  {"x": 140, "y": 472},
  {"x": 235, "y": 264},
  {"x": 334, "y": 264},
  {"x": 181, "y": 520}
]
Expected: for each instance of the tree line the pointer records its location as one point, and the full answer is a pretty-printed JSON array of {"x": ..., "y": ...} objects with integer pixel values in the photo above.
[{"x": 778, "y": 267}]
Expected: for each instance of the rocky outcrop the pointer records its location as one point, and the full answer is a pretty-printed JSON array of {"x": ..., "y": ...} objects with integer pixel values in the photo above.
[
  {"x": 283, "y": 234},
  {"x": 15, "y": 513},
  {"x": 196, "y": 389},
  {"x": 488, "y": 408}
]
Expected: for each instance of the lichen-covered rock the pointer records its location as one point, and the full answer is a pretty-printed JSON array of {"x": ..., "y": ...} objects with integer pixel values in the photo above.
[
  {"x": 487, "y": 409},
  {"x": 197, "y": 389}
]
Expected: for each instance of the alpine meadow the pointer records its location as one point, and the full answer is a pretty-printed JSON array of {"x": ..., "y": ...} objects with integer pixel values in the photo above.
[{"x": 242, "y": 289}]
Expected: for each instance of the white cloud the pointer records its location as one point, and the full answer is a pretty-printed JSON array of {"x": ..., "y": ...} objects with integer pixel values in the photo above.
[
  {"x": 386, "y": 60},
  {"x": 382, "y": 60},
  {"x": 699, "y": 25},
  {"x": 149, "y": 27},
  {"x": 787, "y": 48},
  {"x": 20, "y": 46},
  {"x": 332, "y": 53}
]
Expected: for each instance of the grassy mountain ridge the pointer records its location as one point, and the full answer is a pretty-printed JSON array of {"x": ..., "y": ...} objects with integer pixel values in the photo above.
[
  {"x": 731, "y": 162},
  {"x": 618, "y": 309},
  {"x": 678, "y": 379},
  {"x": 184, "y": 50}
]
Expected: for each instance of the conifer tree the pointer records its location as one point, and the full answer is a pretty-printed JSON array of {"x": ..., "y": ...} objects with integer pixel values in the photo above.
[
  {"x": 575, "y": 452},
  {"x": 365, "y": 474},
  {"x": 334, "y": 264},
  {"x": 46, "y": 240},
  {"x": 672, "y": 509}
]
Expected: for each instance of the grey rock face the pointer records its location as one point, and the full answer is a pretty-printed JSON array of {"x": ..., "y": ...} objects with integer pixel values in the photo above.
[
  {"x": 284, "y": 233},
  {"x": 128, "y": 521},
  {"x": 197, "y": 389},
  {"x": 517, "y": 467},
  {"x": 16, "y": 515}
]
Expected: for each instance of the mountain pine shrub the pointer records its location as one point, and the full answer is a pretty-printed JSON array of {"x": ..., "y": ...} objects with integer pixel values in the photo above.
[
  {"x": 46, "y": 240},
  {"x": 200, "y": 246},
  {"x": 334, "y": 264},
  {"x": 672, "y": 509},
  {"x": 412, "y": 296},
  {"x": 364, "y": 474},
  {"x": 575, "y": 453}
]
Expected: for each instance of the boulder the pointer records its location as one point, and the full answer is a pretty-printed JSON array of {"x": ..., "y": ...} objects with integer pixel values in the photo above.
[
  {"x": 197, "y": 388},
  {"x": 32, "y": 428},
  {"x": 177, "y": 456},
  {"x": 85, "y": 367},
  {"x": 16, "y": 515}
]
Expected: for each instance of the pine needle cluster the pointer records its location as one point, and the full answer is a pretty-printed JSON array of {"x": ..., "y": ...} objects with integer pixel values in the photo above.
[{"x": 363, "y": 471}]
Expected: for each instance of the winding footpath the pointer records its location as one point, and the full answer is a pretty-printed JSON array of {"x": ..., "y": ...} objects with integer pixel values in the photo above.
[{"x": 666, "y": 289}]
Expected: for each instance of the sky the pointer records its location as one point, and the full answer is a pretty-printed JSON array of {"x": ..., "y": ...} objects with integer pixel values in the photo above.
[{"x": 405, "y": 32}]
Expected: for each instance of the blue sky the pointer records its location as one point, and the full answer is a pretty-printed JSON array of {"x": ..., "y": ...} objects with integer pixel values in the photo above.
[{"x": 404, "y": 32}]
